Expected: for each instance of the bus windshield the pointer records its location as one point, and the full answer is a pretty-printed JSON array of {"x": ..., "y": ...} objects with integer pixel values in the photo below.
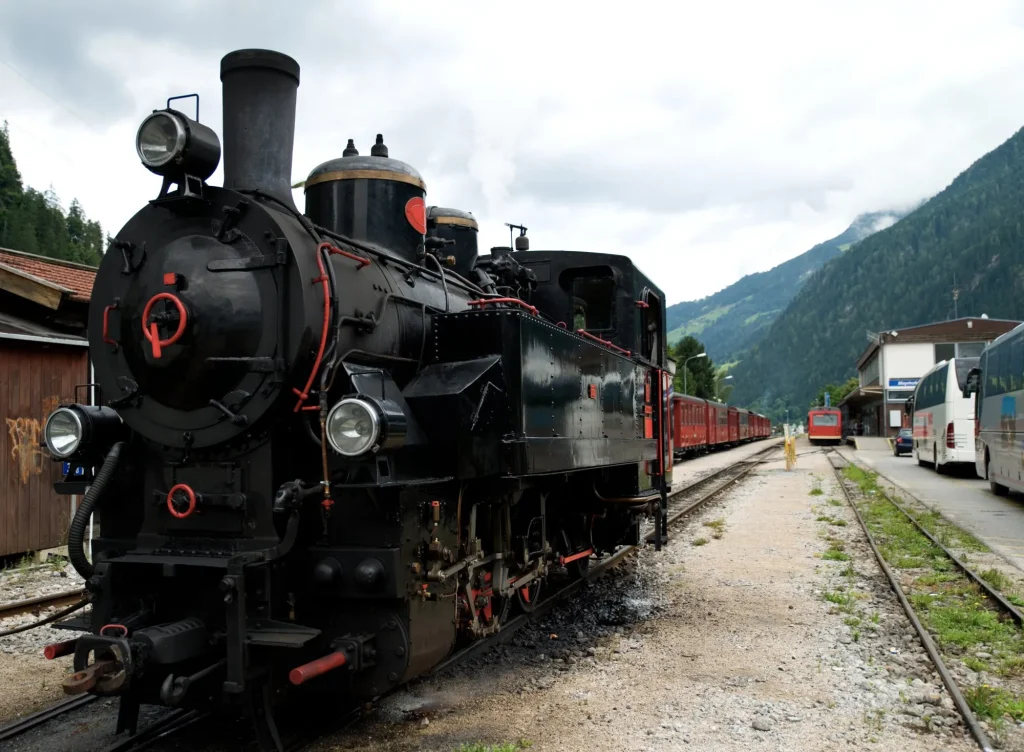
[{"x": 825, "y": 419}]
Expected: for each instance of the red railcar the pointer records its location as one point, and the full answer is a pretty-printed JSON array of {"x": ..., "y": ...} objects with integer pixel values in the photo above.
[
  {"x": 824, "y": 425},
  {"x": 718, "y": 424},
  {"x": 689, "y": 425},
  {"x": 744, "y": 424},
  {"x": 734, "y": 425}
]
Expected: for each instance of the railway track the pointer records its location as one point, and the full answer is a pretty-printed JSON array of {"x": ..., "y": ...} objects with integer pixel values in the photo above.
[
  {"x": 31, "y": 605},
  {"x": 683, "y": 501},
  {"x": 838, "y": 462}
]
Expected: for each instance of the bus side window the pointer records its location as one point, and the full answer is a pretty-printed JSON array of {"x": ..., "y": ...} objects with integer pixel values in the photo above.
[
  {"x": 992, "y": 375},
  {"x": 1016, "y": 365}
]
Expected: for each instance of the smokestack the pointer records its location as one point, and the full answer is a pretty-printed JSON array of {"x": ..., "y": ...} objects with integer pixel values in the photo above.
[{"x": 259, "y": 90}]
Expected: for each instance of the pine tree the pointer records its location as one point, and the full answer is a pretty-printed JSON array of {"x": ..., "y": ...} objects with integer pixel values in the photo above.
[{"x": 35, "y": 222}]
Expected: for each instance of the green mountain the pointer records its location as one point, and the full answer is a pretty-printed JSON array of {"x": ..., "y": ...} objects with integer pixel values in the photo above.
[
  {"x": 972, "y": 232},
  {"x": 736, "y": 318}
]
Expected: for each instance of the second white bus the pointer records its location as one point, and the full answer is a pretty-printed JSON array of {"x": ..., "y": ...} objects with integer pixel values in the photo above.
[
  {"x": 998, "y": 385},
  {"x": 943, "y": 417}
]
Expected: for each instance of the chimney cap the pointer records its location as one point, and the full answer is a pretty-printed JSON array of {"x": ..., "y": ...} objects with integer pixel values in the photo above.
[{"x": 240, "y": 59}]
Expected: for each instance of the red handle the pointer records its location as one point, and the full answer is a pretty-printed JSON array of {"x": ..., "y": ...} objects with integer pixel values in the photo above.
[
  {"x": 149, "y": 330},
  {"x": 191, "y": 501}
]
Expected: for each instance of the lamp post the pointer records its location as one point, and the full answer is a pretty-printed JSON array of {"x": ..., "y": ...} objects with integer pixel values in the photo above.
[
  {"x": 719, "y": 383},
  {"x": 692, "y": 357}
]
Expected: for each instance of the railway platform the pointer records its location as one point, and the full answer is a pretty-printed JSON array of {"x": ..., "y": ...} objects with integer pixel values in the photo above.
[{"x": 960, "y": 496}]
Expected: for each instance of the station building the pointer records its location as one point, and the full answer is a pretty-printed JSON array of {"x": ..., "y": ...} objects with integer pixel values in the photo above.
[{"x": 896, "y": 359}]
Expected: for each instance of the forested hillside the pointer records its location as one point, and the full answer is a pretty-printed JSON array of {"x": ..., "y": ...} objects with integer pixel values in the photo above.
[
  {"x": 901, "y": 276},
  {"x": 734, "y": 319},
  {"x": 34, "y": 222}
]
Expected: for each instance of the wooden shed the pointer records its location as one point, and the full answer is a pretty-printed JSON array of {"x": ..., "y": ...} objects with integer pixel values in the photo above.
[{"x": 44, "y": 356}]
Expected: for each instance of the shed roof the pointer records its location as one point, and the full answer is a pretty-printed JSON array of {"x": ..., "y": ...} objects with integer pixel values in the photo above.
[{"x": 44, "y": 280}]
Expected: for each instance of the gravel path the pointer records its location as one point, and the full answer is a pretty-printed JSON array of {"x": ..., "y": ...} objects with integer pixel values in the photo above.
[
  {"x": 719, "y": 646},
  {"x": 28, "y": 681}
]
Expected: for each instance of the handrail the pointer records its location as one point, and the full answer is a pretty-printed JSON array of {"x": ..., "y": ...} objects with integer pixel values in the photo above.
[{"x": 606, "y": 343}]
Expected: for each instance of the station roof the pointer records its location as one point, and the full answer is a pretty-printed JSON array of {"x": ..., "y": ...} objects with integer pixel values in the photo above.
[
  {"x": 861, "y": 397},
  {"x": 967, "y": 329}
]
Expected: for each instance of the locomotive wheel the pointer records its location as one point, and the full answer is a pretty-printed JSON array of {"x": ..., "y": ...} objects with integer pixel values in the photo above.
[{"x": 529, "y": 596}]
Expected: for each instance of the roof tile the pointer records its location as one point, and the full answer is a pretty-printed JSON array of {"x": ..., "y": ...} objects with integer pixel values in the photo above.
[{"x": 77, "y": 279}]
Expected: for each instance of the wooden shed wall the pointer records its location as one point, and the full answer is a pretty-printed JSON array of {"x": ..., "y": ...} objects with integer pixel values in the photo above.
[{"x": 34, "y": 379}]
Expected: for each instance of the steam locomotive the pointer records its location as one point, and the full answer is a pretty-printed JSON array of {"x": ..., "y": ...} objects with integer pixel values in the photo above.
[{"x": 333, "y": 446}]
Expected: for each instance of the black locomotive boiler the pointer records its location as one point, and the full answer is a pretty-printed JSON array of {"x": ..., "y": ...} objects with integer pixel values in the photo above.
[{"x": 333, "y": 446}]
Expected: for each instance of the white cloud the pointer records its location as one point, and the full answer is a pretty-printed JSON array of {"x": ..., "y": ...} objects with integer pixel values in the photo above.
[{"x": 706, "y": 140}]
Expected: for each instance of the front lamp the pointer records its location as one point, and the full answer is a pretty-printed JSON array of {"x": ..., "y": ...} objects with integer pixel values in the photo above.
[
  {"x": 360, "y": 424},
  {"x": 70, "y": 429},
  {"x": 353, "y": 426},
  {"x": 63, "y": 432},
  {"x": 173, "y": 145}
]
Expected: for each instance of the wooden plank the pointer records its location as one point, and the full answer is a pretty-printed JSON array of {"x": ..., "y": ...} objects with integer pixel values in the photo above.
[
  {"x": 24, "y": 286},
  {"x": 33, "y": 364},
  {"x": 6, "y": 498}
]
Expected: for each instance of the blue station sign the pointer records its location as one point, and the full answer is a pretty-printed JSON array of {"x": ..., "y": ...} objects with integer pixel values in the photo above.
[{"x": 903, "y": 383}]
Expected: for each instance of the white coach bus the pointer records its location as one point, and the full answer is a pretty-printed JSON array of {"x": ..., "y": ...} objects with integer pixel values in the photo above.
[
  {"x": 943, "y": 420},
  {"x": 997, "y": 384}
]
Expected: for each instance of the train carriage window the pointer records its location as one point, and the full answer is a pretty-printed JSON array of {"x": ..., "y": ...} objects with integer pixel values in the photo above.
[{"x": 944, "y": 351}]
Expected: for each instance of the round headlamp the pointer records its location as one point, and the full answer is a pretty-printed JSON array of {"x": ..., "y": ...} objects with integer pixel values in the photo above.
[
  {"x": 173, "y": 145},
  {"x": 353, "y": 426},
  {"x": 63, "y": 432},
  {"x": 161, "y": 138}
]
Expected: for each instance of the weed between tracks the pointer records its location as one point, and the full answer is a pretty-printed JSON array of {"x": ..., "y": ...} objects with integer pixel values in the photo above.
[
  {"x": 507, "y": 747},
  {"x": 960, "y": 617}
]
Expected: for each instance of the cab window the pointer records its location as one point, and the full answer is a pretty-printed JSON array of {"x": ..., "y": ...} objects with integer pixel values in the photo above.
[{"x": 593, "y": 301}]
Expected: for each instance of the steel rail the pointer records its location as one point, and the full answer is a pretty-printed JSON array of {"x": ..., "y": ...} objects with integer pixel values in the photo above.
[
  {"x": 994, "y": 594},
  {"x": 926, "y": 639},
  {"x": 29, "y": 722},
  {"x": 14, "y": 608}
]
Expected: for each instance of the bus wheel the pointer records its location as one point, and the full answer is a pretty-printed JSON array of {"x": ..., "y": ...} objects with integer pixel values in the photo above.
[
  {"x": 935, "y": 461},
  {"x": 920, "y": 461},
  {"x": 997, "y": 488}
]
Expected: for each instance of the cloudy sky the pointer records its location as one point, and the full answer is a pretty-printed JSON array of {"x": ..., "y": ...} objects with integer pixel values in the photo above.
[{"x": 706, "y": 140}]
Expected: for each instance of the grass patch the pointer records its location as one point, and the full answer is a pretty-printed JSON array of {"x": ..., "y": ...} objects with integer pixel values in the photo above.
[
  {"x": 994, "y": 704},
  {"x": 701, "y": 542},
  {"x": 717, "y": 527},
  {"x": 506, "y": 747},
  {"x": 848, "y": 571},
  {"x": 816, "y": 490},
  {"x": 831, "y": 520},
  {"x": 996, "y": 579},
  {"x": 953, "y": 608},
  {"x": 852, "y": 621},
  {"x": 834, "y": 554},
  {"x": 835, "y": 503}
]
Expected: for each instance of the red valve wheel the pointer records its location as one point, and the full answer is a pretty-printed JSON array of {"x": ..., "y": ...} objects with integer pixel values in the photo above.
[
  {"x": 191, "y": 501},
  {"x": 149, "y": 331}
]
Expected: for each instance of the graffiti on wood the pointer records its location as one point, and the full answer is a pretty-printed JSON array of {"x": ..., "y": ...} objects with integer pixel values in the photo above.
[{"x": 25, "y": 436}]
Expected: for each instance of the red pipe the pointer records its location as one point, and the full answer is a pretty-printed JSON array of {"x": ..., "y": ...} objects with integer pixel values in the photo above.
[
  {"x": 606, "y": 343},
  {"x": 59, "y": 649},
  {"x": 324, "y": 280},
  {"x": 514, "y": 301},
  {"x": 315, "y": 668}
]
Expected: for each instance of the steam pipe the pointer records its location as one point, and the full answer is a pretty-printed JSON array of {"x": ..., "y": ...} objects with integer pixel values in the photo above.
[{"x": 259, "y": 89}]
